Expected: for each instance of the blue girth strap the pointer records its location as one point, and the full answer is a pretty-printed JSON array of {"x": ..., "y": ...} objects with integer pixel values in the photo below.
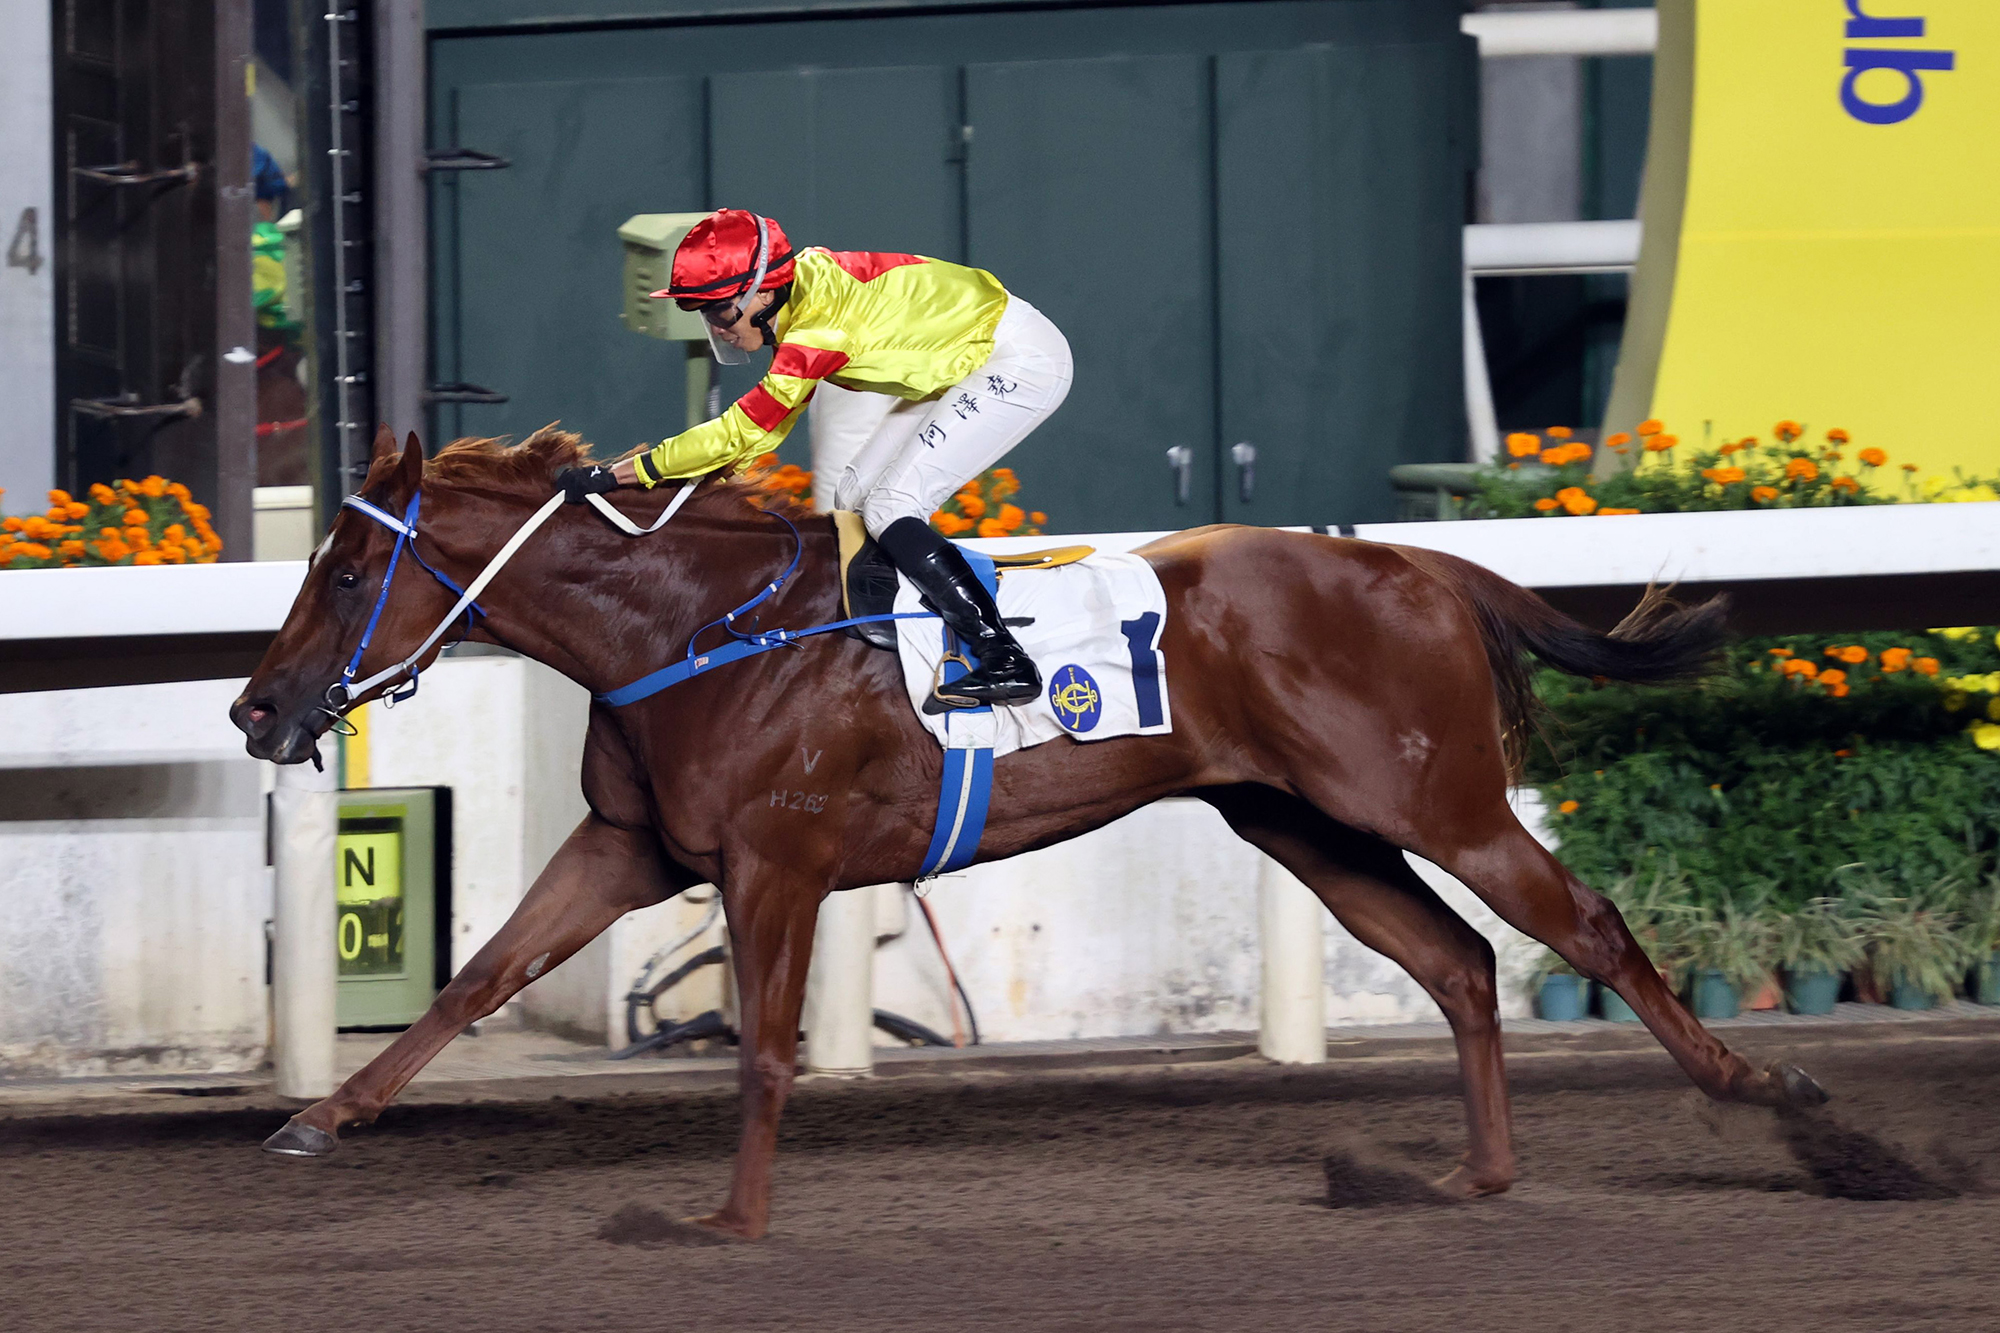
[{"x": 967, "y": 787}]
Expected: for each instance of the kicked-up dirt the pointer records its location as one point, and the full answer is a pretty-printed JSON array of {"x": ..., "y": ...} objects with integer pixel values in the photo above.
[{"x": 1230, "y": 1197}]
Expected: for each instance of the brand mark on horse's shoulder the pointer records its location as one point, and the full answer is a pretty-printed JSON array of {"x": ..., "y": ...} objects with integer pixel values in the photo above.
[
  {"x": 808, "y": 801},
  {"x": 1416, "y": 746},
  {"x": 535, "y": 968},
  {"x": 812, "y": 758}
]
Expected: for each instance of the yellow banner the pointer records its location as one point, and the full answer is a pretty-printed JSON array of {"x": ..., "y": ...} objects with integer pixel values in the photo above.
[{"x": 1839, "y": 257}]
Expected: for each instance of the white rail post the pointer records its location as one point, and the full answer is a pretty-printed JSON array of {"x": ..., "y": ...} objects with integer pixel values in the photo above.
[
  {"x": 304, "y": 817},
  {"x": 839, "y": 1019},
  {"x": 1292, "y": 927}
]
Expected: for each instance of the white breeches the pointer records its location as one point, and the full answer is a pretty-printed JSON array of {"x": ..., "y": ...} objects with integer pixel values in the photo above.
[{"x": 898, "y": 459}]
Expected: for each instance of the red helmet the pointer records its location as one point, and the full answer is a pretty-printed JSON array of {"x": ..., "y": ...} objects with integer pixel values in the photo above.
[{"x": 727, "y": 255}]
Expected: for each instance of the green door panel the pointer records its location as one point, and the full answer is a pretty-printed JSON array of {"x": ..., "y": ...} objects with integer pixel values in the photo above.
[
  {"x": 537, "y": 280},
  {"x": 851, "y": 159},
  {"x": 1339, "y": 180},
  {"x": 1088, "y": 194}
]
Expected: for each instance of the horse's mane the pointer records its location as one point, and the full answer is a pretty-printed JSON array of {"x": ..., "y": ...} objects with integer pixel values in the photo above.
[{"x": 530, "y": 467}]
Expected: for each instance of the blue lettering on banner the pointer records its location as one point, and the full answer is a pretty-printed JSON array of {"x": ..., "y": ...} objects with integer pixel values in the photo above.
[
  {"x": 1139, "y": 636},
  {"x": 1862, "y": 27}
]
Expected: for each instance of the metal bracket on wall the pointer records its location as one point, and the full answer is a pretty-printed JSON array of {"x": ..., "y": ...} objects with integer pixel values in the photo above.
[
  {"x": 463, "y": 159},
  {"x": 128, "y": 173},
  {"x": 457, "y": 392},
  {"x": 127, "y": 406},
  {"x": 1245, "y": 458},
  {"x": 1180, "y": 459}
]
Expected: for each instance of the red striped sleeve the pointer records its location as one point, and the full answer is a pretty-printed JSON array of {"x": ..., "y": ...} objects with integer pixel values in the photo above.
[
  {"x": 806, "y": 363},
  {"x": 763, "y": 410}
]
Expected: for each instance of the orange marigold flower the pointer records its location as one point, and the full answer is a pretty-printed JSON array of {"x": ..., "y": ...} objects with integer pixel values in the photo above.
[
  {"x": 1895, "y": 659},
  {"x": 1038, "y": 518},
  {"x": 71, "y": 550},
  {"x": 103, "y": 494},
  {"x": 173, "y": 555},
  {"x": 1854, "y": 654},
  {"x": 1787, "y": 431},
  {"x": 990, "y": 527},
  {"x": 1728, "y": 449},
  {"x": 1798, "y": 666},
  {"x": 1761, "y": 494},
  {"x": 59, "y": 498},
  {"x": 1909, "y": 467},
  {"x": 1559, "y": 432},
  {"x": 1557, "y": 456},
  {"x": 146, "y": 558},
  {"x": 33, "y": 550},
  {"x": 1723, "y": 476},
  {"x": 1802, "y": 469},
  {"x": 198, "y": 512},
  {"x": 1838, "y": 436},
  {"x": 1838, "y": 691},
  {"x": 1847, "y": 484},
  {"x": 1832, "y": 676},
  {"x": 1604, "y": 512},
  {"x": 1659, "y": 444},
  {"x": 1520, "y": 444},
  {"x": 971, "y": 505},
  {"x": 154, "y": 487},
  {"x": 1843, "y": 754},
  {"x": 10, "y": 524},
  {"x": 1011, "y": 517},
  {"x": 1873, "y": 458},
  {"x": 1545, "y": 504},
  {"x": 75, "y": 510},
  {"x": 1618, "y": 440},
  {"x": 1567, "y": 808},
  {"x": 1573, "y": 499},
  {"x": 1779, "y": 652},
  {"x": 1651, "y": 426},
  {"x": 178, "y": 491},
  {"x": 136, "y": 518},
  {"x": 948, "y": 523},
  {"x": 1924, "y": 666}
]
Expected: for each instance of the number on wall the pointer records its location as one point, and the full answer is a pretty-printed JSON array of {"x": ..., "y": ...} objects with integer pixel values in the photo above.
[{"x": 25, "y": 250}]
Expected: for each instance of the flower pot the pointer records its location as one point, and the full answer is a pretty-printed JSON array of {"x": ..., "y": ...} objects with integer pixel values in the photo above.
[
  {"x": 1986, "y": 980},
  {"x": 1905, "y": 995},
  {"x": 1811, "y": 990},
  {"x": 1713, "y": 996},
  {"x": 1612, "y": 1006},
  {"x": 1561, "y": 997}
]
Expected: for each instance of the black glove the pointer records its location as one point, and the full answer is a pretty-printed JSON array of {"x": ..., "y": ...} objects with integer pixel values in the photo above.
[{"x": 578, "y": 483}]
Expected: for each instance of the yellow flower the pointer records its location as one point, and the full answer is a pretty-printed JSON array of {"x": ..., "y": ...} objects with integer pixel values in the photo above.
[
  {"x": 1993, "y": 709},
  {"x": 1958, "y": 633},
  {"x": 1986, "y": 735}
]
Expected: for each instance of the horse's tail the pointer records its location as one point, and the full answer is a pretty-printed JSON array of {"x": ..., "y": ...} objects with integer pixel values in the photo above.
[{"x": 1660, "y": 641}]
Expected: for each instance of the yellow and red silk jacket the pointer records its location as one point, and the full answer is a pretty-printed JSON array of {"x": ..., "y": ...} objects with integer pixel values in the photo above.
[{"x": 882, "y": 323}]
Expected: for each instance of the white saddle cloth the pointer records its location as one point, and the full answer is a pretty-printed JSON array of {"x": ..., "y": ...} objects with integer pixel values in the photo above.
[{"x": 1093, "y": 629}]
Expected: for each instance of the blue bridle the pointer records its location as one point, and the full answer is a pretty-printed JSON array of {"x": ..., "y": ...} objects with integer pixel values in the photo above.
[{"x": 405, "y": 529}]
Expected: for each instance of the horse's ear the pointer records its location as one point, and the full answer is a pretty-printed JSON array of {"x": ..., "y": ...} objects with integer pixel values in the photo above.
[
  {"x": 385, "y": 444},
  {"x": 411, "y": 474}
]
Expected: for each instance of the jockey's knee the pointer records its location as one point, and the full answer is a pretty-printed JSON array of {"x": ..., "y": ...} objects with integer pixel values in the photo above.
[{"x": 883, "y": 506}]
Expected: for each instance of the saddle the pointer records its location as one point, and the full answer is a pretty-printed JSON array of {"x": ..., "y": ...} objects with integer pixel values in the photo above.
[{"x": 868, "y": 580}]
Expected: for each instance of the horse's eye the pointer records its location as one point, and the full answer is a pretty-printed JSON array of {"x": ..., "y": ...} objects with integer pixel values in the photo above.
[{"x": 346, "y": 579}]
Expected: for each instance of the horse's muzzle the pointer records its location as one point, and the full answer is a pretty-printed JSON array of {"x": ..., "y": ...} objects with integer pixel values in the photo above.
[{"x": 271, "y": 735}]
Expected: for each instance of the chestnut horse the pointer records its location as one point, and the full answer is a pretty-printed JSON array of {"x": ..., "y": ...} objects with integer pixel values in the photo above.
[{"x": 1339, "y": 702}]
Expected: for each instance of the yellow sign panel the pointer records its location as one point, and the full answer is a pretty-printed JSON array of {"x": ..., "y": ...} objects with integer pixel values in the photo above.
[
  {"x": 1839, "y": 250},
  {"x": 369, "y": 892}
]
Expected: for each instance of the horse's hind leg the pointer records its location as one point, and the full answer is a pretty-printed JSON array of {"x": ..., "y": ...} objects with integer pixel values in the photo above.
[
  {"x": 1371, "y": 889},
  {"x": 1533, "y": 891},
  {"x": 600, "y": 873}
]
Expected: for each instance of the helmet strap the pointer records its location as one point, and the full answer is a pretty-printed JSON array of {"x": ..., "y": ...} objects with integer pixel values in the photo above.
[{"x": 766, "y": 318}]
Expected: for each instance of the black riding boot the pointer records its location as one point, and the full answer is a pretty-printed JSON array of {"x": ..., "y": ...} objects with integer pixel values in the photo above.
[{"x": 1005, "y": 674}]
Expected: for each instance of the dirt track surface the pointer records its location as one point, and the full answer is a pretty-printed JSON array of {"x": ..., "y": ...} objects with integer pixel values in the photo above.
[{"x": 1194, "y": 1198}]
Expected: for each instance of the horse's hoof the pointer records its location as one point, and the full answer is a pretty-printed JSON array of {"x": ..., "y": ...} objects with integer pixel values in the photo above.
[
  {"x": 721, "y": 1224},
  {"x": 1800, "y": 1090},
  {"x": 1462, "y": 1183},
  {"x": 298, "y": 1139}
]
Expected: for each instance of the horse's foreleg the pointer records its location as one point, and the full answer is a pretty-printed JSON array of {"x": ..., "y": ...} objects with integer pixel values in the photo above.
[
  {"x": 1371, "y": 889},
  {"x": 771, "y": 921},
  {"x": 600, "y": 873}
]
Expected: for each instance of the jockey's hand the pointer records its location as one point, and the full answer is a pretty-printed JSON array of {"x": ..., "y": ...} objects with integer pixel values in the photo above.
[{"x": 579, "y": 483}]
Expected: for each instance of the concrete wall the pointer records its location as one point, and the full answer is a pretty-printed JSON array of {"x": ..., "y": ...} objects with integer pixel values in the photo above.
[
  {"x": 133, "y": 882},
  {"x": 27, "y": 294}
]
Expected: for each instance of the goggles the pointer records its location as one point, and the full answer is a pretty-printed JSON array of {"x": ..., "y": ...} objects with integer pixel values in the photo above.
[{"x": 724, "y": 314}]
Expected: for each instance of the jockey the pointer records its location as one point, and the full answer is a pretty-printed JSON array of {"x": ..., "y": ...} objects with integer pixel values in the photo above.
[{"x": 926, "y": 374}]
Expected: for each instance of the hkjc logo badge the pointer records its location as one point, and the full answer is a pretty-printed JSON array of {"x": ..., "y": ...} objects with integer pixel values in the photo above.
[{"x": 1073, "y": 694}]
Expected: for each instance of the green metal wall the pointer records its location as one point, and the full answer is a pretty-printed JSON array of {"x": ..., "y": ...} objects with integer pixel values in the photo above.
[{"x": 1245, "y": 217}]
